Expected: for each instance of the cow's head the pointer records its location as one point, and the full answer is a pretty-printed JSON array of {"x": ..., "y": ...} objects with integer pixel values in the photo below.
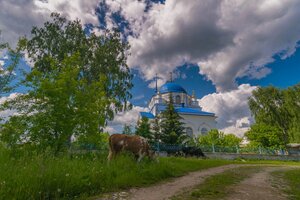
[{"x": 153, "y": 155}]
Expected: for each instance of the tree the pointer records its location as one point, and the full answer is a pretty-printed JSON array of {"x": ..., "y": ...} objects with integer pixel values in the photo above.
[
  {"x": 213, "y": 137},
  {"x": 101, "y": 57},
  {"x": 172, "y": 129},
  {"x": 265, "y": 136},
  {"x": 231, "y": 140},
  {"x": 156, "y": 129},
  {"x": 93, "y": 141},
  {"x": 268, "y": 107},
  {"x": 127, "y": 130},
  {"x": 218, "y": 138},
  {"x": 143, "y": 128},
  {"x": 76, "y": 84},
  {"x": 7, "y": 73},
  {"x": 59, "y": 106},
  {"x": 292, "y": 104}
]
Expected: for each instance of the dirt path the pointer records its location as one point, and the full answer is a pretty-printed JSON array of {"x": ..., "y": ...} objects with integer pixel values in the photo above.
[
  {"x": 167, "y": 190},
  {"x": 257, "y": 187}
]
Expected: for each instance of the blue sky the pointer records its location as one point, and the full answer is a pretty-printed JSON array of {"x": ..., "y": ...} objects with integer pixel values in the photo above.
[
  {"x": 284, "y": 73},
  {"x": 222, "y": 50}
]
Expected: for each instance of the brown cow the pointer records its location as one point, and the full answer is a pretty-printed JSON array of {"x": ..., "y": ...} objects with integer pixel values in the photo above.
[{"x": 134, "y": 144}]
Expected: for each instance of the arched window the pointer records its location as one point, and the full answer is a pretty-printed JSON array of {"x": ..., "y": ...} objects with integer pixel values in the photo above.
[
  {"x": 177, "y": 99},
  {"x": 189, "y": 131},
  {"x": 204, "y": 131}
]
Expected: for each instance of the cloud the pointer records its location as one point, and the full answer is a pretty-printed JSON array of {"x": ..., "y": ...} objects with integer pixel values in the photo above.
[
  {"x": 227, "y": 39},
  {"x": 138, "y": 97},
  {"x": 129, "y": 117},
  {"x": 1, "y": 65},
  {"x": 174, "y": 33},
  {"x": 231, "y": 109},
  {"x": 7, "y": 113},
  {"x": 18, "y": 17},
  {"x": 159, "y": 82}
]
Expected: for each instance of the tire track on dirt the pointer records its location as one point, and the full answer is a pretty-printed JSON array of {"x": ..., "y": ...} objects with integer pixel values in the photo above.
[
  {"x": 168, "y": 189},
  {"x": 258, "y": 186},
  {"x": 251, "y": 188}
]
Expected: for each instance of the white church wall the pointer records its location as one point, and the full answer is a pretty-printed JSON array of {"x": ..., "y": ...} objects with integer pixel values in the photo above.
[{"x": 197, "y": 123}]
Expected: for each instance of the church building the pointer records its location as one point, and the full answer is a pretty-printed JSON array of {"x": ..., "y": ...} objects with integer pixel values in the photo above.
[{"x": 196, "y": 121}]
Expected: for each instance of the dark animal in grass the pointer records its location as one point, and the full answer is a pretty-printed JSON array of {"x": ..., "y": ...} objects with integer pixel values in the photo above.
[
  {"x": 135, "y": 144},
  {"x": 193, "y": 151}
]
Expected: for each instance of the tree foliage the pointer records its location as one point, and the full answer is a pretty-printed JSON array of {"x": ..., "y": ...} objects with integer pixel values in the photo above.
[
  {"x": 265, "y": 136},
  {"x": 77, "y": 83},
  {"x": 218, "y": 138},
  {"x": 101, "y": 57},
  {"x": 96, "y": 140},
  {"x": 278, "y": 108},
  {"x": 127, "y": 130},
  {"x": 172, "y": 129},
  {"x": 292, "y": 104},
  {"x": 156, "y": 129},
  {"x": 7, "y": 72},
  {"x": 143, "y": 128},
  {"x": 268, "y": 107}
]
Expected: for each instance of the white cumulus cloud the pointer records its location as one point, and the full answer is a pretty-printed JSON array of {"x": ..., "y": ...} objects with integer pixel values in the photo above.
[
  {"x": 129, "y": 117},
  {"x": 7, "y": 113},
  {"x": 18, "y": 17},
  {"x": 227, "y": 39},
  {"x": 231, "y": 109}
]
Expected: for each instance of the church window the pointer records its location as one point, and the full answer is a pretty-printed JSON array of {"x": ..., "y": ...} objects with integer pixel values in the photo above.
[
  {"x": 177, "y": 99},
  {"x": 204, "y": 131},
  {"x": 189, "y": 131}
]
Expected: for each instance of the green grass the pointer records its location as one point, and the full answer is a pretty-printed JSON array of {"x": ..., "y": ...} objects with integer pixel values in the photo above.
[
  {"x": 43, "y": 176},
  {"x": 292, "y": 179},
  {"x": 270, "y": 162},
  {"x": 218, "y": 186}
]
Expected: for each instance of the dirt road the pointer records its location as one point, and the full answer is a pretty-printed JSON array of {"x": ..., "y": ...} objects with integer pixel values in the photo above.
[{"x": 258, "y": 186}]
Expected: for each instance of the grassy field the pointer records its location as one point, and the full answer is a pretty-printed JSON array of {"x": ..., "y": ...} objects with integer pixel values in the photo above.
[
  {"x": 292, "y": 180},
  {"x": 26, "y": 175},
  {"x": 79, "y": 176},
  {"x": 217, "y": 186}
]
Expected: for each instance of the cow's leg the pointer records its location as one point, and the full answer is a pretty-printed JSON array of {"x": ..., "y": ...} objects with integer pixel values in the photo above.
[
  {"x": 110, "y": 155},
  {"x": 141, "y": 155}
]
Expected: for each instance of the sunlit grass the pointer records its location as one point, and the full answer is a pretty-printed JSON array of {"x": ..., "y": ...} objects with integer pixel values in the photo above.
[
  {"x": 43, "y": 176},
  {"x": 292, "y": 180}
]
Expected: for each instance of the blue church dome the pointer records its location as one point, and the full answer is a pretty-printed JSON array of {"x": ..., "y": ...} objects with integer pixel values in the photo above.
[{"x": 171, "y": 87}]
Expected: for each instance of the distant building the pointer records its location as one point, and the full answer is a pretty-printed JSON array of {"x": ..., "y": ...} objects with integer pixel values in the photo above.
[{"x": 197, "y": 121}]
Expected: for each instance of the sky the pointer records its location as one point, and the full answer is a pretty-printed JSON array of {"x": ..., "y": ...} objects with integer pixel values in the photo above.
[{"x": 221, "y": 49}]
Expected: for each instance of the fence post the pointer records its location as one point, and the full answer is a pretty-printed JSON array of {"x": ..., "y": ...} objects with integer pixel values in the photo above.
[
  {"x": 260, "y": 151},
  {"x": 213, "y": 148},
  {"x": 237, "y": 149}
]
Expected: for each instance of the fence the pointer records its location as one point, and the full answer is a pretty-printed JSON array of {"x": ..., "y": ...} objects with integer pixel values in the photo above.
[
  {"x": 221, "y": 149},
  {"x": 173, "y": 149}
]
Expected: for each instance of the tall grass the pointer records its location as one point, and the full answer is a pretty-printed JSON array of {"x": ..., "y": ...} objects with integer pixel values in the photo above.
[{"x": 43, "y": 176}]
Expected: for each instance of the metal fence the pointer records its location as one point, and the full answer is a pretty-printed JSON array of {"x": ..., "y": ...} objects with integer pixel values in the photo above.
[
  {"x": 173, "y": 149},
  {"x": 169, "y": 148}
]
